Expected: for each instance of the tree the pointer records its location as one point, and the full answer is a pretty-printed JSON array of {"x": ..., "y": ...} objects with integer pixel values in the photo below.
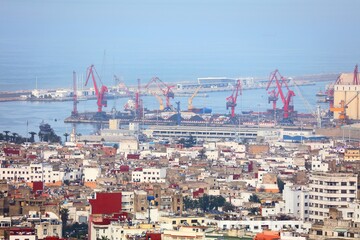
[
  {"x": 228, "y": 207},
  {"x": 188, "y": 203},
  {"x": 280, "y": 184},
  {"x": 255, "y": 211},
  {"x": 64, "y": 215},
  {"x": 14, "y": 135},
  {"x": 41, "y": 136},
  {"x": 204, "y": 203},
  {"x": 32, "y": 138},
  {"x": 254, "y": 198},
  {"x": 7, "y": 135},
  {"x": 66, "y": 136},
  {"x": 202, "y": 154},
  {"x": 103, "y": 238}
]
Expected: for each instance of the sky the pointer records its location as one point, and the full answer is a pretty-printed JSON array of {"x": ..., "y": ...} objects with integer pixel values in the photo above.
[{"x": 175, "y": 40}]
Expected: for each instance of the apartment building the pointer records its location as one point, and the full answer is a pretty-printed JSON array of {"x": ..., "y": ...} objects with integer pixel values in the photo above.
[
  {"x": 296, "y": 200},
  {"x": 149, "y": 175},
  {"x": 330, "y": 190},
  {"x": 31, "y": 173}
]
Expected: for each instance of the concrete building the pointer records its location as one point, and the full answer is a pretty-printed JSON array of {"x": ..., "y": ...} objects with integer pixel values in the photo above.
[
  {"x": 330, "y": 190},
  {"x": 348, "y": 93},
  {"x": 149, "y": 175},
  {"x": 31, "y": 173},
  {"x": 296, "y": 200}
]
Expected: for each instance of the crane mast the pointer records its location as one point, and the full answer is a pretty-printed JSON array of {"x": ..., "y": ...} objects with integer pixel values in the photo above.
[
  {"x": 190, "y": 100},
  {"x": 165, "y": 89},
  {"x": 100, "y": 94},
  {"x": 74, "y": 112},
  {"x": 231, "y": 101},
  {"x": 280, "y": 82}
]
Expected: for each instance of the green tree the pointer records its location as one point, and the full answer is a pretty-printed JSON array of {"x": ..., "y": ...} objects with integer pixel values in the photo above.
[
  {"x": 188, "y": 203},
  {"x": 228, "y": 207},
  {"x": 103, "y": 238},
  {"x": 64, "y": 215},
  {"x": 202, "y": 154},
  {"x": 7, "y": 135},
  {"x": 204, "y": 203},
  {"x": 280, "y": 184},
  {"x": 14, "y": 136},
  {"x": 254, "y": 198},
  {"x": 32, "y": 138},
  {"x": 255, "y": 211},
  {"x": 66, "y": 136}
]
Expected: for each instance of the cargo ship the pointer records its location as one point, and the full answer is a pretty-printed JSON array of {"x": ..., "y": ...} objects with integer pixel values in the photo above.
[{"x": 203, "y": 110}]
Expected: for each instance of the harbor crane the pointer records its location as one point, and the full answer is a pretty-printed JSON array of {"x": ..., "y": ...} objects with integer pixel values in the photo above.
[
  {"x": 231, "y": 101},
  {"x": 100, "y": 94},
  {"x": 121, "y": 86},
  {"x": 138, "y": 101},
  {"x": 343, "y": 117},
  {"x": 165, "y": 89},
  {"x": 190, "y": 100},
  {"x": 279, "y": 81},
  {"x": 160, "y": 100}
]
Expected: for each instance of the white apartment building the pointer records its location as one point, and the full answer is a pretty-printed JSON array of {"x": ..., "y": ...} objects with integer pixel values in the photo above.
[
  {"x": 330, "y": 190},
  {"x": 257, "y": 226},
  {"x": 127, "y": 201},
  {"x": 34, "y": 172},
  {"x": 90, "y": 174},
  {"x": 296, "y": 200},
  {"x": 149, "y": 175}
]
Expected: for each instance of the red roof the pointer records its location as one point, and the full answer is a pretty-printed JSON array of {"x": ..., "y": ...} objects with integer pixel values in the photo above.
[{"x": 106, "y": 203}]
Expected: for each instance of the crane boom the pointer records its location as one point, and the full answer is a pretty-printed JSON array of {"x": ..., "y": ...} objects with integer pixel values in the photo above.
[
  {"x": 190, "y": 100},
  {"x": 164, "y": 88},
  {"x": 100, "y": 95},
  {"x": 160, "y": 100},
  {"x": 231, "y": 101},
  {"x": 279, "y": 82}
]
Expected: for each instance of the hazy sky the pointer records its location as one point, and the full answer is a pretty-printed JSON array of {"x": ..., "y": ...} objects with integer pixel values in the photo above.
[{"x": 199, "y": 38}]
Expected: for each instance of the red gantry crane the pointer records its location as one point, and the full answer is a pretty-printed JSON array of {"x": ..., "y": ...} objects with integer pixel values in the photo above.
[
  {"x": 165, "y": 89},
  {"x": 100, "y": 95},
  {"x": 231, "y": 101},
  {"x": 279, "y": 81}
]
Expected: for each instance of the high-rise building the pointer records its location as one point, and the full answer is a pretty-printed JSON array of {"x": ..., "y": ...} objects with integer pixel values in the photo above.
[{"x": 330, "y": 190}]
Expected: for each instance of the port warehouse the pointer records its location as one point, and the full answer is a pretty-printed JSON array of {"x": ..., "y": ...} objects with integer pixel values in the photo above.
[{"x": 249, "y": 134}]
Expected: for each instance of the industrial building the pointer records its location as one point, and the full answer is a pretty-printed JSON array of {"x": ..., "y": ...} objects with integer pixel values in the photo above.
[{"x": 346, "y": 97}]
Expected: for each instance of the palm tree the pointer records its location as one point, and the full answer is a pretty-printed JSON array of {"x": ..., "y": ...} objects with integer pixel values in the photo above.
[
  {"x": 14, "y": 135},
  {"x": 1, "y": 136},
  {"x": 41, "y": 136},
  {"x": 32, "y": 138},
  {"x": 66, "y": 136},
  {"x": 7, "y": 135},
  {"x": 64, "y": 215}
]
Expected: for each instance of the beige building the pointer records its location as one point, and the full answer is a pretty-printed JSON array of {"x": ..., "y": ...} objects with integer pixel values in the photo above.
[
  {"x": 352, "y": 154},
  {"x": 330, "y": 190},
  {"x": 347, "y": 95}
]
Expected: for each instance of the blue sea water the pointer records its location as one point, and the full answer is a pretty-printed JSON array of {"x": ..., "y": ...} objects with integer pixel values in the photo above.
[{"x": 22, "y": 117}]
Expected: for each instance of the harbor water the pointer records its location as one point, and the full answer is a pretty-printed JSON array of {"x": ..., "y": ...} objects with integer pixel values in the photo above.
[{"x": 22, "y": 117}]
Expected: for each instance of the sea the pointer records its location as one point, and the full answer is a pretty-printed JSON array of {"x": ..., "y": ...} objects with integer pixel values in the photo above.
[{"x": 25, "y": 116}]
